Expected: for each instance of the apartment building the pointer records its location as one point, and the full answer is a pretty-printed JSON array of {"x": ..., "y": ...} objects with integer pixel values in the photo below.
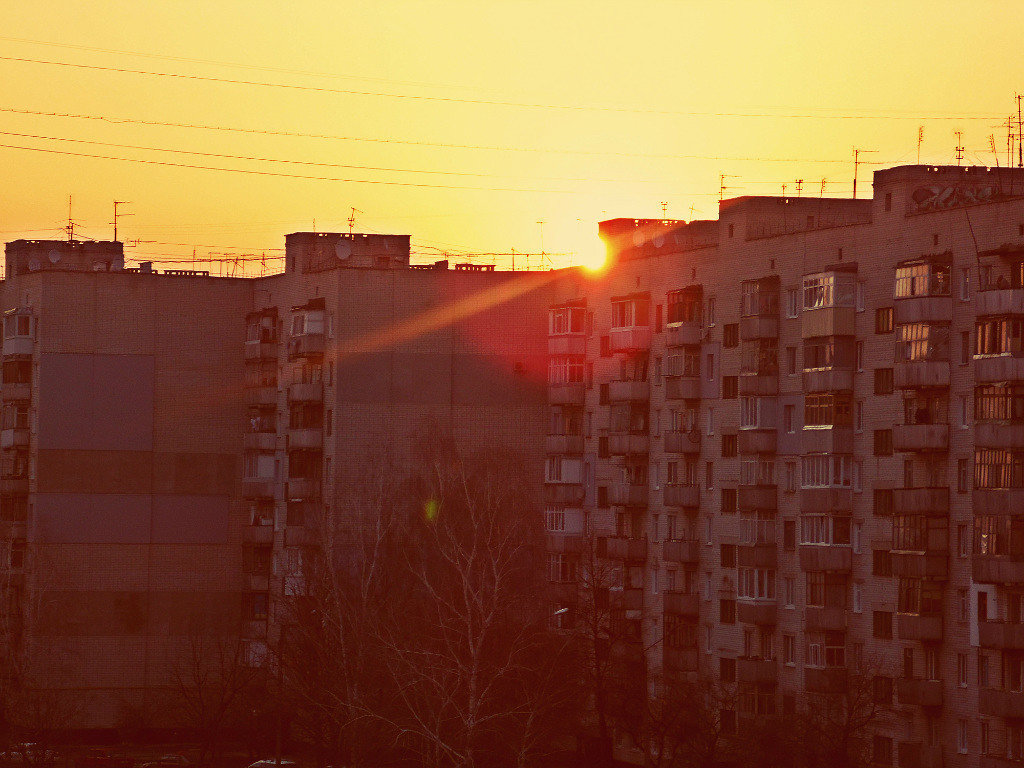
[
  {"x": 169, "y": 439},
  {"x": 795, "y": 434}
]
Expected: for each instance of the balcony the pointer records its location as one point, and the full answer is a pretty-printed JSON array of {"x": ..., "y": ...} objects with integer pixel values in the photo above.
[
  {"x": 750, "y": 670},
  {"x": 762, "y": 612},
  {"x": 305, "y": 439},
  {"x": 682, "y": 442},
  {"x": 825, "y": 680},
  {"x": 306, "y": 392},
  {"x": 920, "y": 437},
  {"x": 996, "y": 703},
  {"x": 924, "y": 629},
  {"x": 681, "y": 659},
  {"x": 260, "y": 350},
  {"x": 629, "y": 599},
  {"x": 261, "y": 396},
  {"x": 563, "y": 493},
  {"x": 687, "y": 496},
  {"x": 629, "y": 391},
  {"x": 567, "y": 344},
  {"x": 685, "y": 551},
  {"x": 764, "y": 385},
  {"x": 681, "y": 604},
  {"x": 18, "y": 345},
  {"x": 303, "y": 488},
  {"x": 921, "y": 374},
  {"x": 627, "y": 495},
  {"x": 257, "y": 582},
  {"x": 921, "y": 565},
  {"x": 826, "y": 440},
  {"x": 757, "y": 440},
  {"x": 914, "y": 754},
  {"x": 259, "y": 488},
  {"x": 258, "y": 534},
  {"x": 998, "y": 434},
  {"x": 757, "y": 555},
  {"x": 306, "y": 345},
  {"x": 1002, "y": 635},
  {"x": 924, "y": 501},
  {"x": 828, "y": 380},
  {"x": 683, "y": 334},
  {"x": 628, "y": 550},
  {"x": 14, "y": 485},
  {"x": 13, "y": 391},
  {"x": 759, "y": 327},
  {"x": 636, "y": 339},
  {"x": 626, "y": 444},
  {"x": 998, "y": 368},
  {"x": 564, "y": 543},
  {"x": 919, "y": 693},
  {"x": 826, "y": 500},
  {"x": 259, "y": 441},
  {"x": 999, "y": 301},
  {"x": 819, "y": 619},
  {"x": 566, "y": 445},
  {"x": 758, "y": 498},
  {"x": 300, "y": 536},
  {"x": 567, "y": 394},
  {"x": 828, "y": 321},
  {"x": 991, "y": 569},
  {"x": 923, "y": 309},
  {"x": 826, "y": 557},
  {"x": 682, "y": 388},
  {"x": 997, "y": 501}
]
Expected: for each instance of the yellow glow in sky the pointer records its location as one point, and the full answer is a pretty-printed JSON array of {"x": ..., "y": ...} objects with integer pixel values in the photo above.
[{"x": 487, "y": 131}]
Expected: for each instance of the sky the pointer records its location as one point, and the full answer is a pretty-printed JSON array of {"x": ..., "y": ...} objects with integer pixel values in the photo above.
[{"x": 481, "y": 129}]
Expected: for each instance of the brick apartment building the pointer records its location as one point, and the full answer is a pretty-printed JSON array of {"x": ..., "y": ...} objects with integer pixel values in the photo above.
[
  {"x": 167, "y": 438},
  {"x": 798, "y": 433}
]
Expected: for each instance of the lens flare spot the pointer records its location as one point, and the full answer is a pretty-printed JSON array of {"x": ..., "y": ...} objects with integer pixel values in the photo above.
[
  {"x": 430, "y": 510},
  {"x": 593, "y": 257}
]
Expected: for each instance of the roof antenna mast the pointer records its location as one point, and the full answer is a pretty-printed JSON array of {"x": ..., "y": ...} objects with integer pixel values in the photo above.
[{"x": 117, "y": 203}]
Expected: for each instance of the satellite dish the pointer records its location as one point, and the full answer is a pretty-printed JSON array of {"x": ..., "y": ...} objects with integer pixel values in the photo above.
[
  {"x": 343, "y": 249},
  {"x": 34, "y": 264},
  {"x": 54, "y": 256}
]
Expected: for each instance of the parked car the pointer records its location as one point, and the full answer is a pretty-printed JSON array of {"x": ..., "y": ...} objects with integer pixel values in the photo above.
[{"x": 102, "y": 758}]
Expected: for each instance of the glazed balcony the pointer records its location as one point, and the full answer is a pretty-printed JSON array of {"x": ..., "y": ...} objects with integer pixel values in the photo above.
[
  {"x": 628, "y": 599},
  {"x": 629, "y": 391},
  {"x": 997, "y": 703},
  {"x": 687, "y": 496},
  {"x": 837, "y": 558},
  {"x": 758, "y": 498},
  {"x": 628, "y": 444},
  {"x": 932, "y": 564},
  {"x": 682, "y": 388},
  {"x": 757, "y": 440},
  {"x": 760, "y": 384},
  {"x": 993, "y": 569},
  {"x": 925, "y": 501},
  {"x": 259, "y": 488},
  {"x": 305, "y": 439},
  {"x": 1001, "y": 635},
  {"x": 996, "y": 368},
  {"x": 826, "y": 440},
  {"x": 999, "y": 301},
  {"x": 752, "y": 670},
  {"x": 563, "y": 493},
  {"x": 681, "y": 659},
  {"x": 914, "y": 754},
  {"x": 923, "y": 309},
  {"x": 828, "y": 321},
  {"x": 14, "y": 485},
  {"x": 564, "y": 543},
  {"x": 260, "y": 350},
  {"x": 681, "y": 551},
  {"x": 18, "y": 345},
  {"x": 917, "y": 438},
  {"x": 303, "y": 488},
  {"x": 925, "y": 629},
  {"x": 683, "y": 334},
  {"x": 681, "y": 604},
  {"x": 16, "y": 391},
  {"x": 828, "y": 380},
  {"x": 261, "y": 396},
  {"x": 567, "y": 394},
  {"x": 819, "y": 619},
  {"x": 825, "y": 680},
  {"x": 998, "y": 434},
  {"x": 306, "y": 392},
  {"x": 921, "y": 374},
  {"x": 762, "y": 612},
  {"x": 260, "y": 441},
  {"x": 919, "y": 693},
  {"x": 682, "y": 442},
  {"x": 757, "y": 555},
  {"x": 567, "y": 344},
  {"x": 636, "y": 339},
  {"x": 564, "y": 445},
  {"x": 258, "y": 534},
  {"x": 628, "y": 495},
  {"x": 14, "y": 438},
  {"x": 628, "y": 550},
  {"x": 307, "y": 345},
  {"x": 826, "y": 500},
  {"x": 759, "y": 327}
]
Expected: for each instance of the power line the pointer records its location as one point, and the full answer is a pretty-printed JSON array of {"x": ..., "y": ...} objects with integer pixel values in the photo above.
[{"x": 488, "y": 102}]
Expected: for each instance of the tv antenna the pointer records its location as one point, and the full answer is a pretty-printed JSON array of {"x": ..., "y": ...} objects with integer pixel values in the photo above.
[
  {"x": 823, "y": 183},
  {"x": 70, "y": 226},
  {"x": 992, "y": 146},
  {"x": 1020, "y": 149},
  {"x": 856, "y": 166},
  {"x": 721, "y": 184},
  {"x": 116, "y": 214},
  {"x": 799, "y": 186},
  {"x": 541, "y": 223},
  {"x": 664, "y": 210},
  {"x": 920, "y": 138},
  {"x": 959, "y": 146},
  {"x": 352, "y": 220}
]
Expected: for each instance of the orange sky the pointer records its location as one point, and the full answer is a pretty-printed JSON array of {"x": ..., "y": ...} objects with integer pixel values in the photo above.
[{"x": 565, "y": 112}]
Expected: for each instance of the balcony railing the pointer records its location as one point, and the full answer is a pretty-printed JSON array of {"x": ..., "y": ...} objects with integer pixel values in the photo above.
[
  {"x": 687, "y": 496},
  {"x": 681, "y": 551},
  {"x": 924, "y": 628},
  {"x": 633, "y": 339},
  {"x": 682, "y": 442},
  {"x": 921, "y": 437},
  {"x": 1002, "y": 635}
]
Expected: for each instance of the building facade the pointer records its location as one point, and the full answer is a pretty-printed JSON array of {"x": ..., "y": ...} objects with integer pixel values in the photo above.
[{"x": 794, "y": 434}]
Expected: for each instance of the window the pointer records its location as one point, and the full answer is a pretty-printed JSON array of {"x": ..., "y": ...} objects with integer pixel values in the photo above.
[
  {"x": 858, "y": 419},
  {"x": 921, "y": 341},
  {"x": 965, "y": 347},
  {"x": 730, "y": 387},
  {"x": 756, "y": 583},
  {"x": 788, "y": 418},
  {"x": 857, "y": 599},
  {"x": 998, "y": 336},
  {"x": 826, "y": 589},
  {"x": 824, "y": 529},
  {"x": 730, "y": 335},
  {"x": 565, "y": 370},
  {"x": 961, "y": 736},
  {"x": 963, "y": 601},
  {"x": 883, "y": 442},
  {"x": 881, "y": 563},
  {"x": 711, "y": 310},
  {"x": 882, "y": 625},
  {"x": 789, "y": 591},
  {"x": 562, "y": 320},
  {"x": 829, "y": 409},
  {"x": 859, "y": 356},
  {"x": 792, "y": 302},
  {"x": 757, "y": 471},
  {"x": 965, "y": 283},
  {"x": 860, "y": 296},
  {"x": 997, "y": 468},
  {"x": 883, "y": 381},
  {"x": 881, "y": 690},
  {"x": 963, "y": 544},
  {"x": 561, "y": 569},
  {"x": 726, "y": 611},
  {"x": 788, "y": 650},
  {"x": 984, "y": 745},
  {"x": 888, "y": 202},
  {"x": 883, "y": 320},
  {"x": 256, "y": 606},
  {"x": 631, "y": 313},
  {"x": 711, "y": 422},
  {"x": 709, "y": 474},
  {"x": 826, "y": 470},
  {"x": 729, "y": 446},
  {"x": 684, "y": 306},
  {"x": 961, "y": 669},
  {"x": 759, "y": 298},
  {"x": 828, "y": 289},
  {"x": 922, "y": 279},
  {"x": 791, "y": 361},
  {"x": 727, "y": 555},
  {"x": 729, "y": 501}
]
